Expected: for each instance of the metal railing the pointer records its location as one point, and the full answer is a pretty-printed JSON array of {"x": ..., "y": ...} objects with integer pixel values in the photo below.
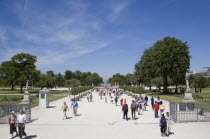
[
  {"x": 190, "y": 111},
  {"x": 6, "y": 109}
]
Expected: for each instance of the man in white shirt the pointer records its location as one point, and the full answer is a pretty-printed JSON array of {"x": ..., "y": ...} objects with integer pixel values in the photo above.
[{"x": 21, "y": 123}]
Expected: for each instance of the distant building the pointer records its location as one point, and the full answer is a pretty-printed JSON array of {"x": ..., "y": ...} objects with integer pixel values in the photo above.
[{"x": 205, "y": 71}]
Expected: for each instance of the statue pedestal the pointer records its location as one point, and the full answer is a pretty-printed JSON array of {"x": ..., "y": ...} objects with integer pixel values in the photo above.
[
  {"x": 26, "y": 97},
  {"x": 188, "y": 96}
]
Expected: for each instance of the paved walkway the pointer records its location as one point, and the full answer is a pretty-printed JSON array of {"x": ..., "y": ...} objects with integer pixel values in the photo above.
[{"x": 100, "y": 120}]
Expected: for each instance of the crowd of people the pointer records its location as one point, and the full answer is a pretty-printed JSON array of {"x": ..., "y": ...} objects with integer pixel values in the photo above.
[{"x": 138, "y": 105}]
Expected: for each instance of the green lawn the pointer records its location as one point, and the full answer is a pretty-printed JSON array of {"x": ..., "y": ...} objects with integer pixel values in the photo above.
[
  {"x": 8, "y": 91},
  {"x": 35, "y": 99}
]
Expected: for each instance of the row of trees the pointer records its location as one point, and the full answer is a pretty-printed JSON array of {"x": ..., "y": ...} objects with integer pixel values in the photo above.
[
  {"x": 128, "y": 79},
  {"x": 22, "y": 67}
]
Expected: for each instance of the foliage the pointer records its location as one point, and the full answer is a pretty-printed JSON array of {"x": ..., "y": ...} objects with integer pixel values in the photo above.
[
  {"x": 118, "y": 79},
  {"x": 78, "y": 90},
  {"x": 172, "y": 58},
  {"x": 158, "y": 82},
  {"x": 72, "y": 83},
  {"x": 200, "y": 82}
]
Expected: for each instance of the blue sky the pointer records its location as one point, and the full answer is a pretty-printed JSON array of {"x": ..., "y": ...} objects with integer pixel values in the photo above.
[{"x": 104, "y": 36}]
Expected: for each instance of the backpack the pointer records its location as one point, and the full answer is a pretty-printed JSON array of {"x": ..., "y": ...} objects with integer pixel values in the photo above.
[
  {"x": 133, "y": 106},
  {"x": 125, "y": 107},
  {"x": 163, "y": 121}
]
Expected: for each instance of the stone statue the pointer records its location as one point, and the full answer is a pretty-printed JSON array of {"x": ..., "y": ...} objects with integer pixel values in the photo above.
[{"x": 27, "y": 85}]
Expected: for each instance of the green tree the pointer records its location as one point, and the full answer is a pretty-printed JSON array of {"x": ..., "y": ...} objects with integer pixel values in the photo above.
[
  {"x": 8, "y": 74},
  {"x": 25, "y": 65},
  {"x": 68, "y": 74},
  {"x": 51, "y": 73},
  {"x": 200, "y": 82},
  {"x": 158, "y": 82},
  {"x": 72, "y": 83},
  {"x": 172, "y": 57},
  {"x": 59, "y": 79},
  {"x": 146, "y": 68},
  {"x": 118, "y": 79}
]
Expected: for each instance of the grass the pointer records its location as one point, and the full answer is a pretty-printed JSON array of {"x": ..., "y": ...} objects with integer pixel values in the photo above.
[
  {"x": 35, "y": 99},
  {"x": 32, "y": 91}
]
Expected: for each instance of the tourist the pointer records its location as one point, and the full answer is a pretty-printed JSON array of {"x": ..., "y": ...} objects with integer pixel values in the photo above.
[
  {"x": 64, "y": 108},
  {"x": 125, "y": 110},
  {"x": 169, "y": 123},
  {"x": 74, "y": 104},
  {"x": 161, "y": 107},
  {"x": 146, "y": 99},
  {"x": 21, "y": 120},
  {"x": 139, "y": 107},
  {"x": 91, "y": 97},
  {"x": 163, "y": 124},
  {"x": 116, "y": 100},
  {"x": 105, "y": 100},
  {"x": 112, "y": 100},
  {"x": 152, "y": 101},
  {"x": 12, "y": 123},
  {"x": 158, "y": 100},
  {"x": 156, "y": 109},
  {"x": 121, "y": 102},
  {"x": 145, "y": 105},
  {"x": 133, "y": 110},
  {"x": 88, "y": 97}
]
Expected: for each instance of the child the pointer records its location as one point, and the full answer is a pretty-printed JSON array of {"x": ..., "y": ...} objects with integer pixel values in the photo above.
[
  {"x": 111, "y": 99},
  {"x": 169, "y": 123},
  {"x": 139, "y": 108},
  {"x": 121, "y": 101}
]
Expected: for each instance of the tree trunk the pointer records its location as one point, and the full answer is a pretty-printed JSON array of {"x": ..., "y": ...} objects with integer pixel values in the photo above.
[
  {"x": 176, "y": 88},
  {"x": 12, "y": 86},
  {"x": 200, "y": 90},
  {"x": 165, "y": 83},
  {"x": 21, "y": 88},
  {"x": 150, "y": 85}
]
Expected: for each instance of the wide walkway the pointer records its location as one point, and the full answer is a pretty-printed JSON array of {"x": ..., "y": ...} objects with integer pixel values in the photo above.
[{"x": 100, "y": 120}]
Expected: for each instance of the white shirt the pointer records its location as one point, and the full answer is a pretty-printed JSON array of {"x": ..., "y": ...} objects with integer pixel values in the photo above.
[{"x": 21, "y": 118}]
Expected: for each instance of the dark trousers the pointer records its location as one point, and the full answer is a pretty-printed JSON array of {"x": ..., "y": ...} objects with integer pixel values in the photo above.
[
  {"x": 21, "y": 130},
  {"x": 152, "y": 103},
  {"x": 163, "y": 128},
  {"x": 133, "y": 113},
  {"x": 125, "y": 115},
  {"x": 12, "y": 128},
  {"x": 156, "y": 114}
]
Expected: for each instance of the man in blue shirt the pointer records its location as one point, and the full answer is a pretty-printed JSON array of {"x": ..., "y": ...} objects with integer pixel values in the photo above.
[{"x": 74, "y": 104}]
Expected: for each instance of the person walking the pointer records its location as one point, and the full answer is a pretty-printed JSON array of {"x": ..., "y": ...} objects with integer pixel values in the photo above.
[
  {"x": 121, "y": 102},
  {"x": 156, "y": 109},
  {"x": 146, "y": 99},
  {"x": 133, "y": 110},
  {"x": 152, "y": 101},
  {"x": 169, "y": 123},
  {"x": 74, "y": 105},
  {"x": 139, "y": 107},
  {"x": 88, "y": 97},
  {"x": 161, "y": 107},
  {"x": 91, "y": 97},
  {"x": 21, "y": 120},
  {"x": 125, "y": 111},
  {"x": 116, "y": 100},
  {"x": 105, "y": 100},
  {"x": 64, "y": 108},
  {"x": 111, "y": 100},
  {"x": 163, "y": 124},
  {"x": 13, "y": 123}
]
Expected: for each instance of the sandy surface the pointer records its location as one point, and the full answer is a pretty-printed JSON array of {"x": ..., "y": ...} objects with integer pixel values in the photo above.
[{"x": 100, "y": 120}]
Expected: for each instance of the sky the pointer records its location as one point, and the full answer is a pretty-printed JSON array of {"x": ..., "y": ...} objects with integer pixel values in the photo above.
[{"x": 103, "y": 36}]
